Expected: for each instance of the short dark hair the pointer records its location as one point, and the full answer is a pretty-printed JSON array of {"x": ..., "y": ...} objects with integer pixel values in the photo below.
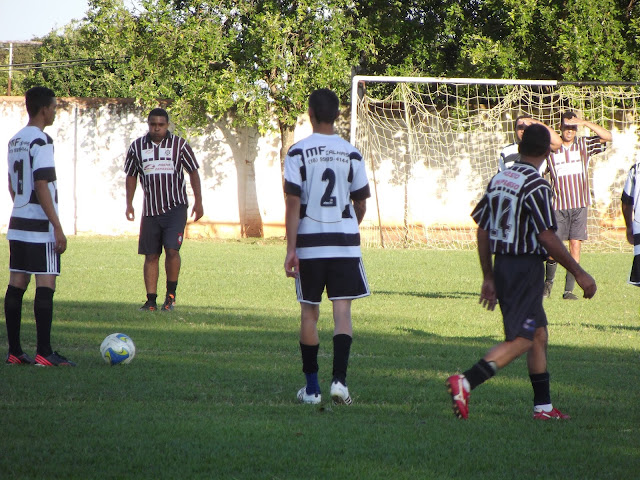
[
  {"x": 520, "y": 117},
  {"x": 325, "y": 105},
  {"x": 565, "y": 116},
  {"x": 37, "y": 98},
  {"x": 158, "y": 112},
  {"x": 536, "y": 141}
]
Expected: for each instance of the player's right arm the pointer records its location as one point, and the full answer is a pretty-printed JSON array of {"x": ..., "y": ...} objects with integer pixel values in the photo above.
[
  {"x": 556, "y": 249},
  {"x": 130, "y": 186},
  {"x": 11, "y": 192},
  {"x": 488, "y": 296},
  {"x": 292, "y": 220}
]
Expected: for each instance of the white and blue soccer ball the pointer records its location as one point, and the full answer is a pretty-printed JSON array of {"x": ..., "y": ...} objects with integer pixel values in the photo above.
[{"x": 117, "y": 349}]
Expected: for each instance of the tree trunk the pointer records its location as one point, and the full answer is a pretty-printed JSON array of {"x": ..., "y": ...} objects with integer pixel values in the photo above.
[
  {"x": 244, "y": 145},
  {"x": 286, "y": 140}
]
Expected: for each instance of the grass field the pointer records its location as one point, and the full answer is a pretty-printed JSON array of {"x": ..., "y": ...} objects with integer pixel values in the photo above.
[{"x": 211, "y": 392}]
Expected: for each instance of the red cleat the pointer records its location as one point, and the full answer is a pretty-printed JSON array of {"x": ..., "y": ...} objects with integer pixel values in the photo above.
[
  {"x": 554, "y": 414},
  {"x": 459, "y": 396}
]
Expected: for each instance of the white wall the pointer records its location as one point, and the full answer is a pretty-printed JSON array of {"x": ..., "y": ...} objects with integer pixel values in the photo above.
[{"x": 91, "y": 138}]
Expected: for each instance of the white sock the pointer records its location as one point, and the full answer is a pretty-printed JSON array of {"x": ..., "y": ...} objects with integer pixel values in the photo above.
[
  {"x": 465, "y": 384},
  {"x": 543, "y": 408}
]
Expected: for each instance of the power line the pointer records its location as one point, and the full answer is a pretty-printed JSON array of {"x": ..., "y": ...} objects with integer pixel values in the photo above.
[{"x": 59, "y": 63}]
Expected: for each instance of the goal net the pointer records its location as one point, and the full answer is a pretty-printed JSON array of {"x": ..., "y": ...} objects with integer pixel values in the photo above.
[{"x": 432, "y": 145}]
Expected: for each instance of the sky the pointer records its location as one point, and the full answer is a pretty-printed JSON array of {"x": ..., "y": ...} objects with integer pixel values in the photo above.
[{"x": 22, "y": 20}]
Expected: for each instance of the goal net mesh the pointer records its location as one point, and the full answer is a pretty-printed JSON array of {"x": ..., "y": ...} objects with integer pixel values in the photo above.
[{"x": 432, "y": 147}]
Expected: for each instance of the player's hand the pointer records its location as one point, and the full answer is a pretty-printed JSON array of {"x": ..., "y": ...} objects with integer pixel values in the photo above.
[
  {"x": 130, "y": 213},
  {"x": 573, "y": 121},
  {"x": 292, "y": 265},
  {"x": 60, "y": 239},
  {"x": 197, "y": 212},
  {"x": 488, "y": 296},
  {"x": 587, "y": 284}
]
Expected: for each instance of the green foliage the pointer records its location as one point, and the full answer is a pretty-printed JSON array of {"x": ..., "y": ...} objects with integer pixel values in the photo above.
[
  {"x": 211, "y": 392},
  {"x": 258, "y": 59}
]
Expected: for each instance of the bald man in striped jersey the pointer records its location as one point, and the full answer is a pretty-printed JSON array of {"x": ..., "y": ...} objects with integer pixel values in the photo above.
[
  {"x": 160, "y": 159},
  {"x": 326, "y": 190}
]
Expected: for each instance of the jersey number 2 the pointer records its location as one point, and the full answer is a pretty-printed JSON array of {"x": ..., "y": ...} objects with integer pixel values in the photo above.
[{"x": 327, "y": 199}]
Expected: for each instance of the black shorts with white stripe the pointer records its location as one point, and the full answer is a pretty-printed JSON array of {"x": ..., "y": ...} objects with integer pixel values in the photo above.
[
  {"x": 34, "y": 258},
  {"x": 344, "y": 279}
]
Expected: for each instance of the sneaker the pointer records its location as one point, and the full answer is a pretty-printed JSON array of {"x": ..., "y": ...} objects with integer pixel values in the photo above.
[
  {"x": 169, "y": 303},
  {"x": 22, "y": 359},
  {"x": 149, "y": 306},
  {"x": 554, "y": 414},
  {"x": 546, "y": 293},
  {"x": 340, "y": 393},
  {"x": 459, "y": 396},
  {"x": 53, "y": 360},
  {"x": 304, "y": 397},
  {"x": 569, "y": 296}
]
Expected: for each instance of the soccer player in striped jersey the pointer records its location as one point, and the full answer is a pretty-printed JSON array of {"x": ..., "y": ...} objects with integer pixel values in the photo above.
[
  {"x": 568, "y": 168},
  {"x": 510, "y": 155},
  {"x": 631, "y": 212},
  {"x": 516, "y": 224},
  {"x": 36, "y": 238},
  {"x": 160, "y": 158},
  {"x": 326, "y": 190}
]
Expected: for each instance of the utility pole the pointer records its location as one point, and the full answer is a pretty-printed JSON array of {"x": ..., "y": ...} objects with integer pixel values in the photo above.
[{"x": 10, "y": 48}]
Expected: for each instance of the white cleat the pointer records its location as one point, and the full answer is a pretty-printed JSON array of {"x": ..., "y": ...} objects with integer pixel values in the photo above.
[
  {"x": 340, "y": 394},
  {"x": 304, "y": 397}
]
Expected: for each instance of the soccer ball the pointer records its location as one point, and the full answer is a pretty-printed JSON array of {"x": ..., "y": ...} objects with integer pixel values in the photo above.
[{"x": 117, "y": 348}]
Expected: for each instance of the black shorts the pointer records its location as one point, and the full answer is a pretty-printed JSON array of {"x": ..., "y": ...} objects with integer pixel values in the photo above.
[
  {"x": 572, "y": 224},
  {"x": 344, "y": 278},
  {"x": 519, "y": 283},
  {"x": 34, "y": 258},
  {"x": 165, "y": 230}
]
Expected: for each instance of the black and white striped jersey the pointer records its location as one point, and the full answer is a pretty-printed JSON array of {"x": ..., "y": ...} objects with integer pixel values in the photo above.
[
  {"x": 515, "y": 209},
  {"x": 327, "y": 173},
  {"x": 30, "y": 159},
  {"x": 161, "y": 171}
]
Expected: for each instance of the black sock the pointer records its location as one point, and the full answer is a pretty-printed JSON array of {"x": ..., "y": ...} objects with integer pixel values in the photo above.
[
  {"x": 13, "y": 316},
  {"x": 341, "y": 350},
  {"x": 43, "y": 311},
  {"x": 152, "y": 297},
  {"x": 551, "y": 271},
  {"x": 309, "y": 358},
  {"x": 479, "y": 373},
  {"x": 541, "y": 390},
  {"x": 569, "y": 283},
  {"x": 171, "y": 287},
  {"x": 310, "y": 366}
]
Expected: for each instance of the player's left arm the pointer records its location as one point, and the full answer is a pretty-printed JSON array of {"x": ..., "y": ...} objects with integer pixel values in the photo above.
[
  {"x": 198, "y": 210},
  {"x": 360, "y": 208},
  {"x": 45, "y": 200},
  {"x": 627, "y": 213}
]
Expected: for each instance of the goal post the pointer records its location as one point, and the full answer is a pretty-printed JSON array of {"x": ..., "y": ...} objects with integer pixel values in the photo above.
[{"x": 432, "y": 144}]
